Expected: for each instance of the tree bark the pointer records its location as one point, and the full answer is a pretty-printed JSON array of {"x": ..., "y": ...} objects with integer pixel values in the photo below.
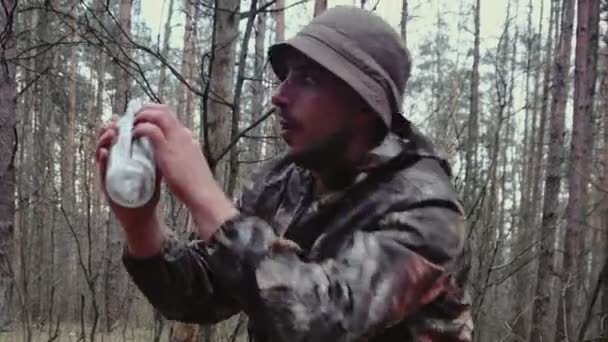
[
  {"x": 552, "y": 183},
  {"x": 42, "y": 213},
  {"x": 184, "y": 98},
  {"x": 238, "y": 89},
  {"x": 68, "y": 153},
  {"x": 271, "y": 127},
  {"x": 164, "y": 52},
  {"x": 403, "y": 23},
  {"x": 580, "y": 164},
  {"x": 521, "y": 232},
  {"x": 524, "y": 200},
  {"x": 539, "y": 137},
  {"x": 604, "y": 204},
  {"x": 113, "y": 296},
  {"x": 8, "y": 150},
  {"x": 257, "y": 87},
  {"x": 553, "y": 177},
  {"x": 540, "y": 307},
  {"x": 220, "y": 100},
  {"x": 591, "y": 236},
  {"x": 68, "y": 174},
  {"x": 121, "y": 98},
  {"x": 96, "y": 120},
  {"x": 473, "y": 130},
  {"x": 320, "y": 6},
  {"x": 23, "y": 185},
  {"x": 602, "y": 279},
  {"x": 279, "y": 19}
]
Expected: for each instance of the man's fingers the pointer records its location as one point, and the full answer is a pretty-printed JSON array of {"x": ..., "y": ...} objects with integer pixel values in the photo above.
[
  {"x": 159, "y": 115},
  {"x": 152, "y": 132},
  {"x": 106, "y": 139},
  {"x": 102, "y": 161},
  {"x": 112, "y": 125}
]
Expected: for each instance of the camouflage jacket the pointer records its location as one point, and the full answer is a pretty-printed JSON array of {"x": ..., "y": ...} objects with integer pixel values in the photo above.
[{"x": 375, "y": 261}]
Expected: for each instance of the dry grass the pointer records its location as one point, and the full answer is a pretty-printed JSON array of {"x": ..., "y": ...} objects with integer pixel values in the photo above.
[{"x": 70, "y": 333}]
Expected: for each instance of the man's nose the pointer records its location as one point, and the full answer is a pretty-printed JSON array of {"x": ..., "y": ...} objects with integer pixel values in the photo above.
[{"x": 280, "y": 97}]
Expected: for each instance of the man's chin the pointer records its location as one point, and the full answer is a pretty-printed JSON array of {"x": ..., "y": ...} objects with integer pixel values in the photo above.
[
  {"x": 326, "y": 158},
  {"x": 318, "y": 156},
  {"x": 300, "y": 156}
]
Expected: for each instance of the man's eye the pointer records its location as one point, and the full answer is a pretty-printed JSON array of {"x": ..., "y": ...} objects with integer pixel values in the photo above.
[{"x": 309, "y": 79}]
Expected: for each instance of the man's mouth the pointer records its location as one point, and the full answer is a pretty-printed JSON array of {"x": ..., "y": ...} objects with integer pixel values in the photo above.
[
  {"x": 287, "y": 130},
  {"x": 287, "y": 125}
]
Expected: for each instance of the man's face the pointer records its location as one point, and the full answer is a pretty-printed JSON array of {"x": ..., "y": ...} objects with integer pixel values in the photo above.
[{"x": 316, "y": 111}]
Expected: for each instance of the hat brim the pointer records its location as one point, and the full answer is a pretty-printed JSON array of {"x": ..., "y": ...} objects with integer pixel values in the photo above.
[{"x": 335, "y": 63}]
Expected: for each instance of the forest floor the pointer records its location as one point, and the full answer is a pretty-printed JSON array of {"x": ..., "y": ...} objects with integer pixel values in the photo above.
[{"x": 71, "y": 333}]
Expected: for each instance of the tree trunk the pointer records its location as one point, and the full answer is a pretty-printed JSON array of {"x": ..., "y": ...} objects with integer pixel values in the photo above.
[
  {"x": 473, "y": 130},
  {"x": 121, "y": 98},
  {"x": 521, "y": 232},
  {"x": 580, "y": 165},
  {"x": 539, "y": 137},
  {"x": 8, "y": 150},
  {"x": 524, "y": 200},
  {"x": 604, "y": 306},
  {"x": 238, "y": 89},
  {"x": 540, "y": 312},
  {"x": 540, "y": 307},
  {"x": 471, "y": 158},
  {"x": 320, "y": 6},
  {"x": 184, "y": 98},
  {"x": 41, "y": 217},
  {"x": 68, "y": 160},
  {"x": 164, "y": 52},
  {"x": 277, "y": 147},
  {"x": 604, "y": 204},
  {"x": 68, "y": 157},
  {"x": 113, "y": 296},
  {"x": 594, "y": 257},
  {"x": 220, "y": 98},
  {"x": 96, "y": 192},
  {"x": 257, "y": 88},
  {"x": 279, "y": 19},
  {"x": 217, "y": 109},
  {"x": 23, "y": 163},
  {"x": 96, "y": 120},
  {"x": 553, "y": 176},
  {"x": 403, "y": 23}
]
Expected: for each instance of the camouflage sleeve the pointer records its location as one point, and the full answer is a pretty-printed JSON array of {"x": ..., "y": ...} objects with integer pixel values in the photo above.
[
  {"x": 178, "y": 283},
  {"x": 377, "y": 278}
]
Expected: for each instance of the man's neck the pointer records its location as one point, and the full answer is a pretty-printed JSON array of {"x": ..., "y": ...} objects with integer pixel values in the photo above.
[
  {"x": 333, "y": 179},
  {"x": 334, "y": 166},
  {"x": 341, "y": 172}
]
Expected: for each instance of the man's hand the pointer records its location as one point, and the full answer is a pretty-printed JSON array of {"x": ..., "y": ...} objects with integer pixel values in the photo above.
[
  {"x": 178, "y": 155},
  {"x": 142, "y": 225},
  {"x": 184, "y": 167}
]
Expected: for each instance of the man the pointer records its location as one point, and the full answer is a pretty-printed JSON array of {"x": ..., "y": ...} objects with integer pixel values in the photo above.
[{"x": 354, "y": 235}]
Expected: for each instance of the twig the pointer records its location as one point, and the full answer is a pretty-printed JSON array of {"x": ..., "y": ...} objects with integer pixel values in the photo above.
[
  {"x": 243, "y": 132},
  {"x": 602, "y": 278}
]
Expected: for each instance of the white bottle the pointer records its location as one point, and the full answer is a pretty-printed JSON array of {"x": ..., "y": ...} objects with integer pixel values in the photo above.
[{"x": 131, "y": 171}]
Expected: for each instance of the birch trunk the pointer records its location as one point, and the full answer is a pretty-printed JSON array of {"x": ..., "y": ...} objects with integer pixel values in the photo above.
[{"x": 8, "y": 150}]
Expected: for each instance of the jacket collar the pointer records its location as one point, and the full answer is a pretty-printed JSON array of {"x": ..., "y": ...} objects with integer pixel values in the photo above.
[{"x": 403, "y": 140}]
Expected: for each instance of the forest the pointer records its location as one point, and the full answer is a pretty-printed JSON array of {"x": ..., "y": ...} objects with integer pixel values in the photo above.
[{"x": 514, "y": 91}]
